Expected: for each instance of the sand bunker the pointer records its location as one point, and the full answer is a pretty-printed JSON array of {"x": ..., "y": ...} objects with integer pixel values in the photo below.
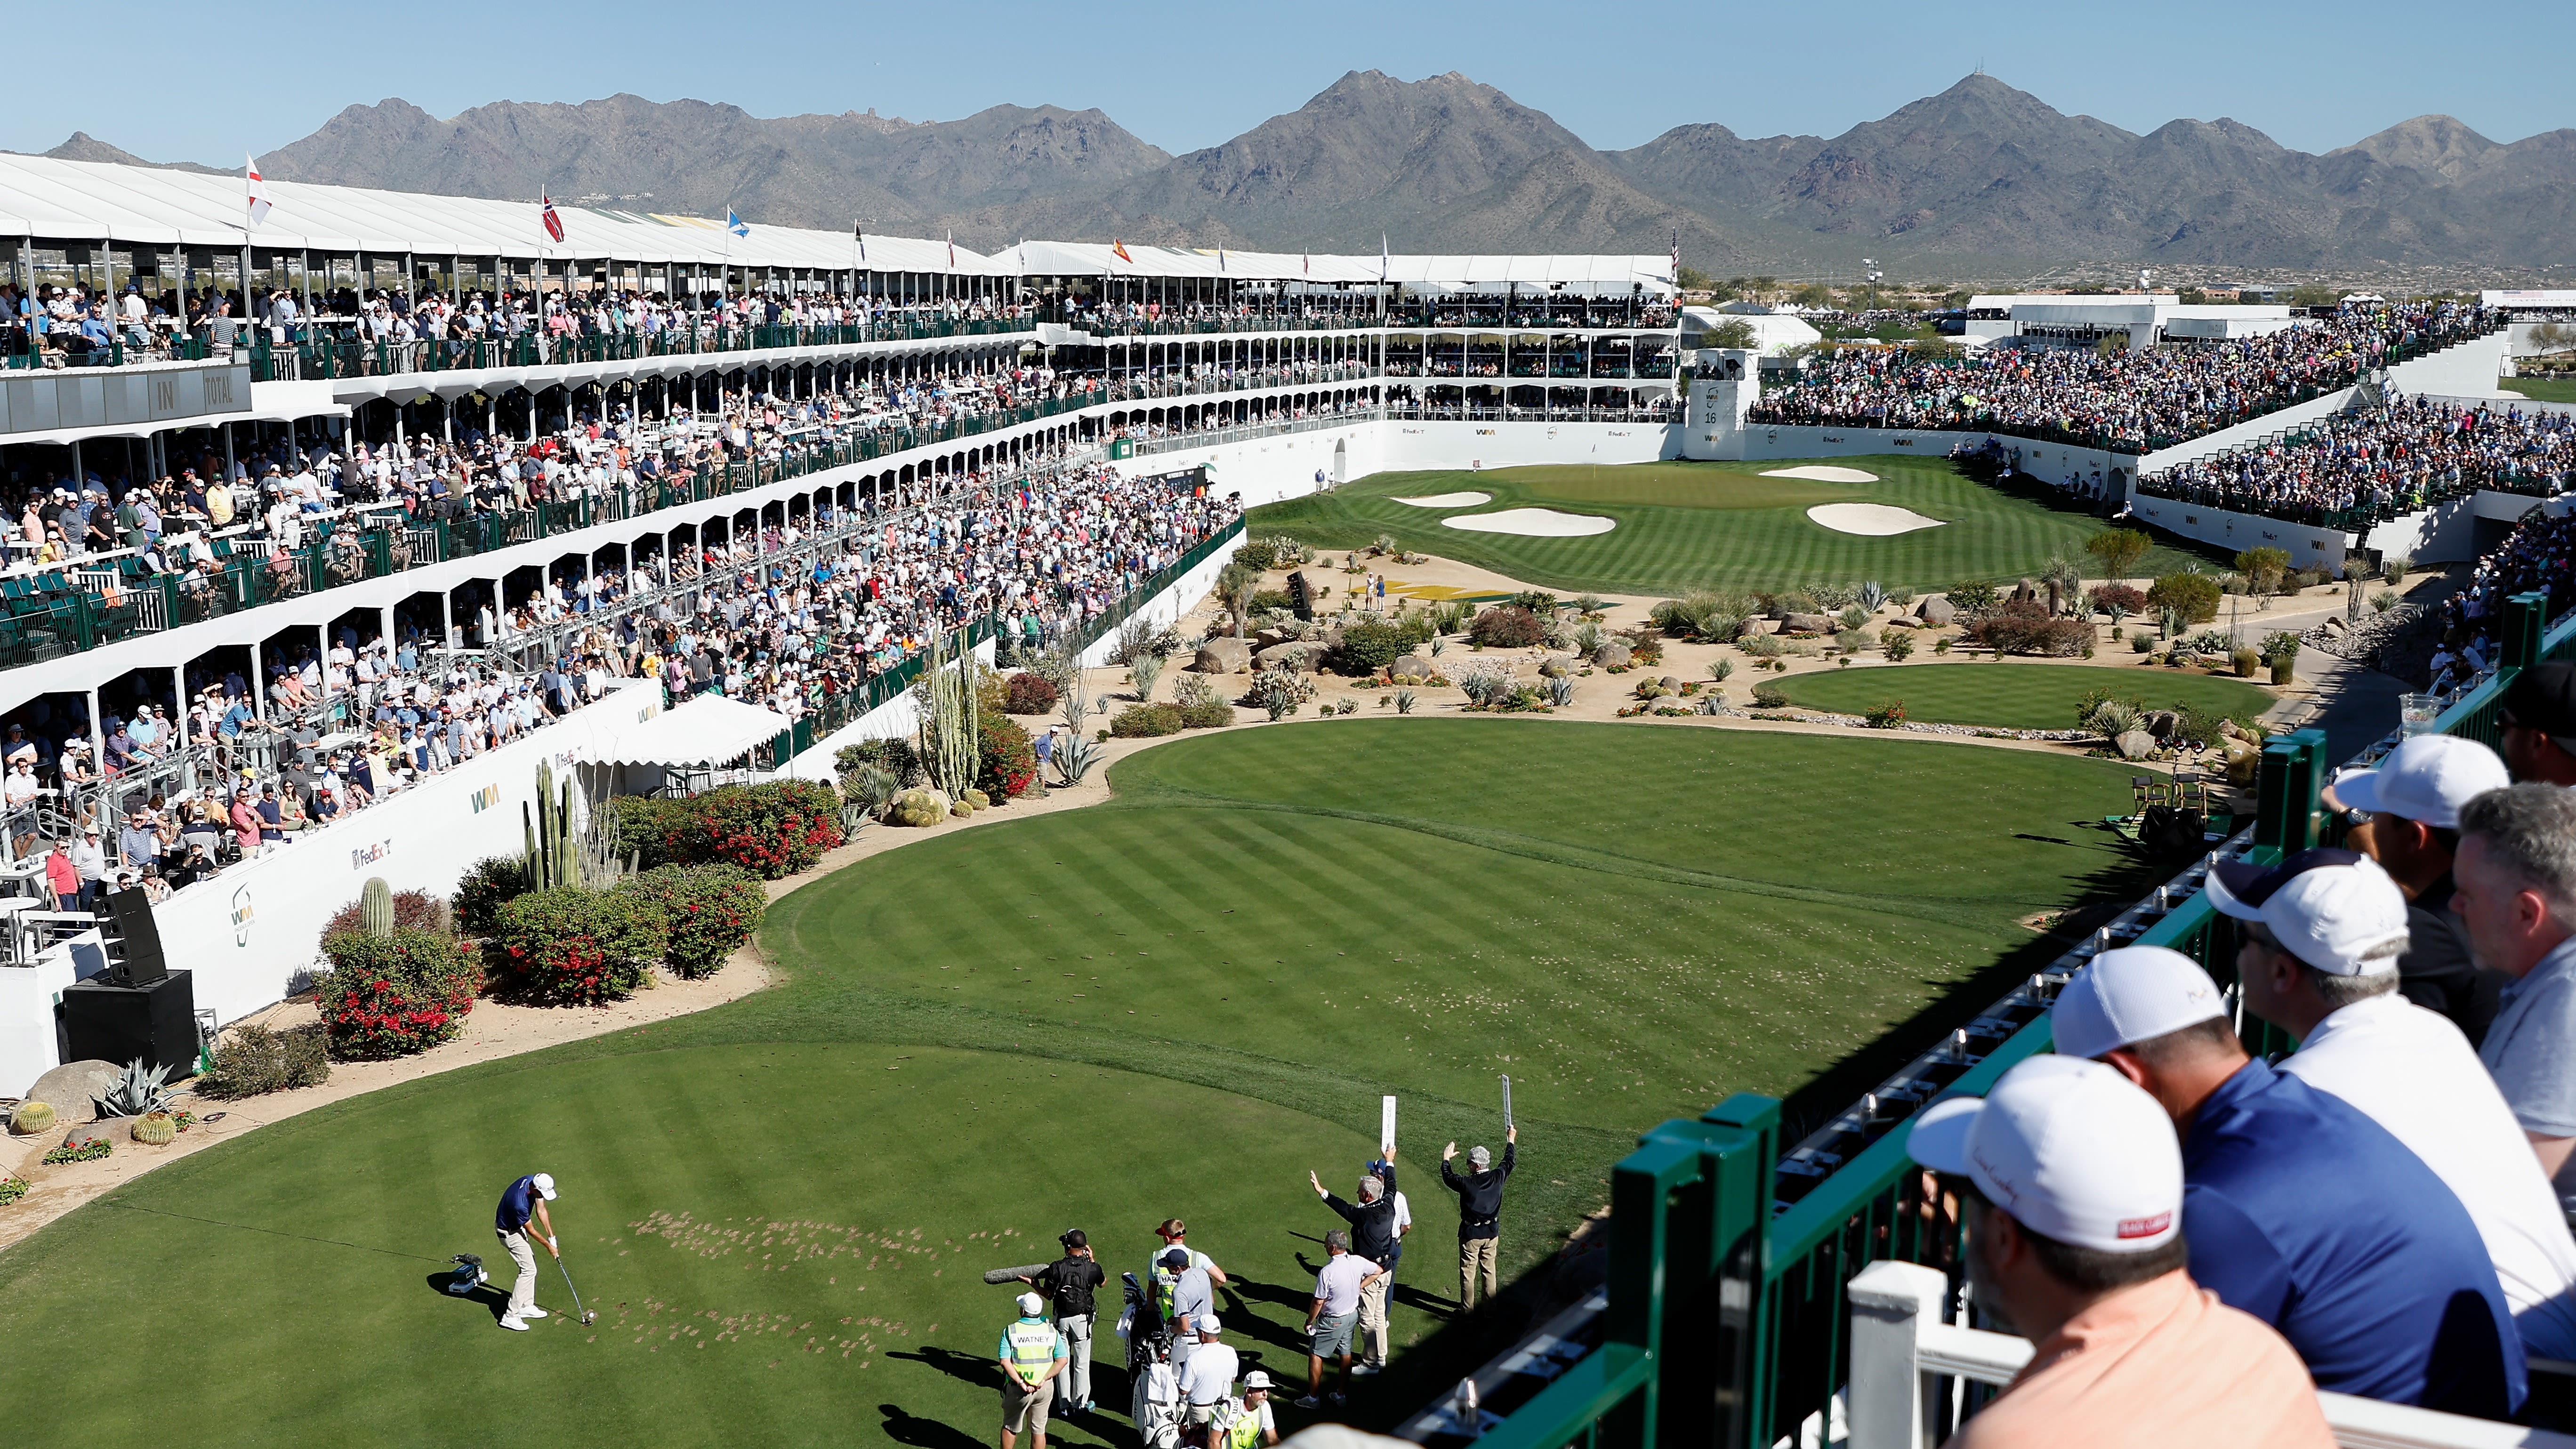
[
  {"x": 1533, "y": 523},
  {"x": 1823, "y": 474},
  {"x": 1872, "y": 520},
  {"x": 1449, "y": 500}
]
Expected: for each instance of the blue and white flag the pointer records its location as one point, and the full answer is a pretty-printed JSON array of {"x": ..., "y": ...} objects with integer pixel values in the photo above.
[{"x": 736, "y": 224}]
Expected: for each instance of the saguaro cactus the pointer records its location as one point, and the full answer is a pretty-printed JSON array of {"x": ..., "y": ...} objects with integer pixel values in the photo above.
[{"x": 376, "y": 907}]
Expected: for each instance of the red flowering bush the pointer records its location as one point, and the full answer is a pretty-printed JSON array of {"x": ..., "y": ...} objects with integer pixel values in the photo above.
[
  {"x": 574, "y": 947},
  {"x": 395, "y": 995},
  {"x": 1006, "y": 760},
  {"x": 1507, "y": 626},
  {"x": 708, "y": 911},
  {"x": 1026, "y": 693},
  {"x": 773, "y": 830}
]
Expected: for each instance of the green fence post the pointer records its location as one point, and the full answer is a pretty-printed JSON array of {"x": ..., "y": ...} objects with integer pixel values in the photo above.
[
  {"x": 2287, "y": 813},
  {"x": 1643, "y": 1187},
  {"x": 2525, "y": 617},
  {"x": 1739, "y": 1348}
]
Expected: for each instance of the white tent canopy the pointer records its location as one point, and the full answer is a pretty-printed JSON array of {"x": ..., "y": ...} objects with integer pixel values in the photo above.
[
  {"x": 707, "y": 731},
  {"x": 1577, "y": 273},
  {"x": 151, "y": 207}
]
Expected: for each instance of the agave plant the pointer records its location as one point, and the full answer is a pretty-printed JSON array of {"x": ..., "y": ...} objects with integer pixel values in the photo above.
[
  {"x": 2112, "y": 718},
  {"x": 1713, "y": 702},
  {"x": 1486, "y": 684},
  {"x": 1404, "y": 701},
  {"x": 1719, "y": 669},
  {"x": 868, "y": 790},
  {"x": 1587, "y": 640},
  {"x": 1075, "y": 754},
  {"x": 1590, "y": 605},
  {"x": 1560, "y": 691},
  {"x": 1872, "y": 595},
  {"x": 1146, "y": 669},
  {"x": 137, "y": 1092}
]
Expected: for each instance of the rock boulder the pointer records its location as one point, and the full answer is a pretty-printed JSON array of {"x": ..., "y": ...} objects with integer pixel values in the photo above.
[
  {"x": 1299, "y": 656},
  {"x": 112, "y": 1130},
  {"x": 1611, "y": 655},
  {"x": 71, "y": 1086},
  {"x": 1808, "y": 624},
  {"x": 1556, "y": 666},
  {"x": 1222, "y": 656},
  {"x": 1411, "y": 666},
  {"x": 2135, "y": 745},
  {"x": 1935, "y": 611},
  {"x": 2160, "y": 723}
]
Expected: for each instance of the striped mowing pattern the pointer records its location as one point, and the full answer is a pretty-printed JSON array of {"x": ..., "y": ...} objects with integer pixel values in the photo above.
[{"x": 1689, "y": 526}]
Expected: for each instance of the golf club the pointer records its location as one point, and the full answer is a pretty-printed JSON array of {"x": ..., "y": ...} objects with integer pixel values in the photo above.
[{"x": 584, "y": 1314}]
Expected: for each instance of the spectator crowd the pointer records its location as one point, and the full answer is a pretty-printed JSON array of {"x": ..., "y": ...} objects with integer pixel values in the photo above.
[
  {"x": 2368, "y": 464},
  {"x": 2196, "y": 1238},
  {"x": 2114, "y": 398}
]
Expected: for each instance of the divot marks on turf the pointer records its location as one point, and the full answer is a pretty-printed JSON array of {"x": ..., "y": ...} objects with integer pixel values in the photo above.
[{"x": 655, "y": 1324}]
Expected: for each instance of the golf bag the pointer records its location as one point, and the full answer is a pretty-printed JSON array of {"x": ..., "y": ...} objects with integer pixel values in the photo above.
[
  {"x": 1155, "y": 1402},
  {"x": 469, "y": 1275}
]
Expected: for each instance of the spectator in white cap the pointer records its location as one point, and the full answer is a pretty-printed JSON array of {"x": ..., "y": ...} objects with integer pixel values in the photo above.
[
  {"x": 1209, "y": 1375},
  {"x": 2410, "y": 823},
  {"x": 2300, "y": 1210},
  {"x": 2321, "y": 937},
  {"x": 1032, "y": 1354},
  {"x": 1246, "y": 1423},
  {"x": 2517, "y": 897},
  {"x": 2073, "y": 1193}
]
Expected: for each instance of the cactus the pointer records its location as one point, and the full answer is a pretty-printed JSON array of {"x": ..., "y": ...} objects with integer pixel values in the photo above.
[
  {"x": 155, "y": 1129},
  {"x": 137, "y": 1092},
  {"x": 565, "y": 844},
  {"x": 32, "y": 1118},
  {"x": 376, "y": 907}
]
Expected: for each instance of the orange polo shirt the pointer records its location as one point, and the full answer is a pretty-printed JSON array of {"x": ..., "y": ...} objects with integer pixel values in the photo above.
[{"x": 2160, "y": 1364}]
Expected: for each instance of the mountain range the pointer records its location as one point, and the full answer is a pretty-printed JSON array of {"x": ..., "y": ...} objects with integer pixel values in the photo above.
[{"x": 1981, "y": 179}]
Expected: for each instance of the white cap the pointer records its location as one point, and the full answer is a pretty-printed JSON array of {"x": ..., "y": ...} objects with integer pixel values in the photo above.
[
  {"x": 1031, "y": 1305},
  {"x": 2131, "y": 994},
  {"x": 1255, "y": 1380},
  {"x": 2336, "y": 910},
  {"x": 544, "y": 1183},
  {"x": 1207, "y": 1323},
  {"x": 2426, "y": 779},
  {"x": 2070, "y": 1148}
]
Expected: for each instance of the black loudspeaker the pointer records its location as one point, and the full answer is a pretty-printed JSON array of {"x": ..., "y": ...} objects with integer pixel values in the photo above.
[
  {"x": 133, "y": 942},
  {"x": 157, "y": 1023}
]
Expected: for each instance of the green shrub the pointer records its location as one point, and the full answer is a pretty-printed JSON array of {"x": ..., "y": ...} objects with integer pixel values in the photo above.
[
  {"x": 1974, "y": 598},
  {"x": 1257, "y": 553},
  {"x": 393, "y": 996},
  {"x": 486, "y": 884},
  {"x": 1208, "y": 714},
  {"x": 2280, "y": 645},
  {"x": 708, "y": 912},
  {"x": 12, "y": 1189},
  {"x": 1273, "y": 599},
  {"x": 2246, "y": 662},
  {"x": 1769, "y": 696},
  {"x": 1147, "y": 720},
  {"x": 2194, "y": 596},
  {"x": 1006, "y": 761},
  {"x": 1886, "y": 716},
  {"x": 1369, "y": 645},
  {"x": 1899, "y": 645},
  {"x": 575, "y": 947},
  {"x": 1507, "y": 626},
  {"x": 253, "y": 1061},
  {"x": 90, "y": 1151},
  {"x": 1537, "y": 601},
  {"x": 896, "y": 756}
]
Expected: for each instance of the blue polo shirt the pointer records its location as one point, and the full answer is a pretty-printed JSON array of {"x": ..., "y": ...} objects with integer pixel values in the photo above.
[
  {"x": 518, "y": 1205},
  {"x": 2308, "y": 1215}
]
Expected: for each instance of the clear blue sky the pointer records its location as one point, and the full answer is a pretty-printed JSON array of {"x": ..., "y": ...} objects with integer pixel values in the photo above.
[{"x": 2312, "y": 75}]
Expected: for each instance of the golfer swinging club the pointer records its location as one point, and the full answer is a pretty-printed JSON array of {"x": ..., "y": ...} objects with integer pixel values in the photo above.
[{"x": 521, "y": 1201}]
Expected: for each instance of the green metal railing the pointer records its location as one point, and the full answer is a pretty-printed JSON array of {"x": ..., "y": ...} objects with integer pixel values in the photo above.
[{"x": 1727, "y": 1322}]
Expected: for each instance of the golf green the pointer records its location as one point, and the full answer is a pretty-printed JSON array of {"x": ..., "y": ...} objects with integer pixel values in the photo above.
[
  {"x": 2012, "y": 695},
  {"x": 1683, "y": 526},
  {"x": 1176, "y": 1003},
  {"x": 2541, "y": 389}
]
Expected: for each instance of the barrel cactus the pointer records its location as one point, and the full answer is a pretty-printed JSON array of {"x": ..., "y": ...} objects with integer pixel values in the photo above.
[
  {"x": 156, "y": 1129},
  {"x": 376, "y": 908},
  {"x": 32, "y": 1118},
  {"x": 977, "y": 800}
]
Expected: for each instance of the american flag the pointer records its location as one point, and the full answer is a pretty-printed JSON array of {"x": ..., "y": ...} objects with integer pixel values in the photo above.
[{"x": 546, "y": 214}]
